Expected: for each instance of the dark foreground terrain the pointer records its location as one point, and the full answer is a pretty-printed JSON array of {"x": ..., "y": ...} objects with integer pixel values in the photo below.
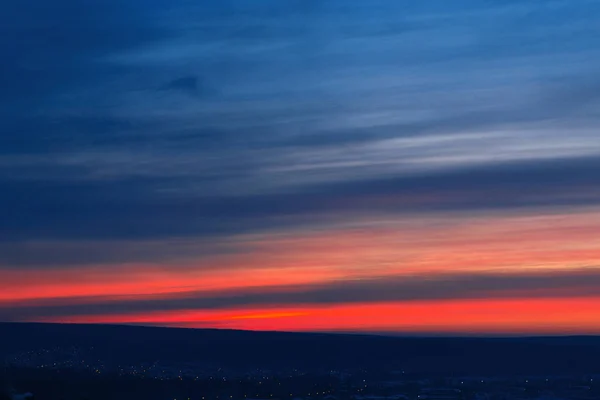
[
  {"x": 99, "y": 362},
  {"x": 115, "y": 346}
]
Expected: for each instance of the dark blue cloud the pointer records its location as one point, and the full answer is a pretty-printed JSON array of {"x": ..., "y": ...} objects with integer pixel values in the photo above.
[
  {"x": 135, "y": 209},
  {"x": 188, "y": 84}
]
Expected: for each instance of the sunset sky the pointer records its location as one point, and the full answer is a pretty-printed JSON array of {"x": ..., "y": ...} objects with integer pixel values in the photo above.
[{"x": 389, "y": 166}]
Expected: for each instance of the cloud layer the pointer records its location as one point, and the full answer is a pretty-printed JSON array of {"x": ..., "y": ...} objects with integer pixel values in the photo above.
[{"x": 150, "y": 139}]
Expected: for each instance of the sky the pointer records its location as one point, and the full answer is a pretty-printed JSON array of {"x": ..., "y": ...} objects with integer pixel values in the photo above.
[{"x": 405, "y": 166}]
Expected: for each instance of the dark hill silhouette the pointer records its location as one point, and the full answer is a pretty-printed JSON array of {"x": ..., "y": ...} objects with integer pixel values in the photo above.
[{"x": 444, "y": 355}]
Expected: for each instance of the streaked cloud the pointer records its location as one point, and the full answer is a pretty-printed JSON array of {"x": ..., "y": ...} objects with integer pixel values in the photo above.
[
  {"x": 148, "y": 144},
  {"x": 461, "y": 286}
]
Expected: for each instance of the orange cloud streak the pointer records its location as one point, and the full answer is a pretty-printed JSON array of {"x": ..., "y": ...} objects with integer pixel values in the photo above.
[
  {"x": 412, "y": 246},
  {"x": 521, "y": 316}
]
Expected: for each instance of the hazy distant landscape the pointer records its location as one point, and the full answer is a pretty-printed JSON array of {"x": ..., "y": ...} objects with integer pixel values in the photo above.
[
  {"x": 231, "y": 348},
  {"x": 121, "y": 358}
]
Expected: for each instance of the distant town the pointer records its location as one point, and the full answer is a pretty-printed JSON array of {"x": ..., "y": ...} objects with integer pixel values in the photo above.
[{"x": 73, "y": 373}]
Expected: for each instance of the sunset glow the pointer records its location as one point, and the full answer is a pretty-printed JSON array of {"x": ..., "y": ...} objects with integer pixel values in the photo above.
[{"x": 515, "y": 273}]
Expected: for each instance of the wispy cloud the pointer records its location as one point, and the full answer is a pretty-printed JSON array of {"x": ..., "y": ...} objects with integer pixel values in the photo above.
[
  {"x": 461, "y": 286},
  {"x": 161, "y": 133}
]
